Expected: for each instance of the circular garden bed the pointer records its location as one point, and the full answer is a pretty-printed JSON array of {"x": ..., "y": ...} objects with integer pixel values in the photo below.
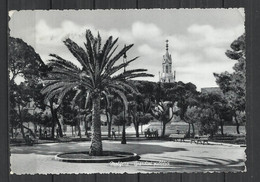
[{"x": 108, "y": 156}]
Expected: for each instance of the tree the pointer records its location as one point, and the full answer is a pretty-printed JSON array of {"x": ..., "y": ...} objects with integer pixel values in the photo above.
[
  {"x": 51, "y": 106},
  {"x": 26, "y": 64},
  {"x": 122, "y": 119},
  {"x": 20, "y": 98},
  {"x": 233, "y": 84},
  {"x": 219, "y": 104},
  {"x": 184, "y": 94},
  {"x": 139, "y": 110},
  {"x": 23, "y": 61},
  {"x": 113, "y": 107},
  {"x": 223, "y": 111},
  {"x": 163, "y": 111},
  {"x": 96, "y": 78},
  {"x": 192, "y": 116},
  {"x": 208, "y": 121},
  {"x": 71, "y": 116}
]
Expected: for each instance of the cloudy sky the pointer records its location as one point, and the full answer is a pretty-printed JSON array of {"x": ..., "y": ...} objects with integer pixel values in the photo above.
[{"x": 198, "y": 38}]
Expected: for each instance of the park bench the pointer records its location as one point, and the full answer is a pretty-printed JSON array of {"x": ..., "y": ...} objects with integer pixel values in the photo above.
[
  {"x": 151, "y": 134},
  {"x": 200, "y": 139},
  {"x": 240, "y": 140},
  {"x": 176, "y": 137}
]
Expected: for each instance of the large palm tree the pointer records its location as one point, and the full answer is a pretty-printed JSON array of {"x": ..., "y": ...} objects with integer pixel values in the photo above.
[{"x": 96, "y": 78}]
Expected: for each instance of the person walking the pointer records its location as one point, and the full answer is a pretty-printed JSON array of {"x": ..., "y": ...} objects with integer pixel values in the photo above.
[
  {"x": 45, "y": 134},
  {"x": 113, "y": 133},
  {"x": 57, "y": 133}
]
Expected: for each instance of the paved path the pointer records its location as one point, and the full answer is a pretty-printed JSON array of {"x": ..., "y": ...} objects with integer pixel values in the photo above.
[{"x": 176, "y": 157}]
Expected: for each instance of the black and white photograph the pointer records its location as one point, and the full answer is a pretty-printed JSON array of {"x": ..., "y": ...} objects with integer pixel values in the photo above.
[{"x": 127, "y": 91}]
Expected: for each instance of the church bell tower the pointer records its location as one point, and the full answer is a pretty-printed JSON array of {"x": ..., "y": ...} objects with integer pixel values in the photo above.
[{"x": 168, "y": 75}]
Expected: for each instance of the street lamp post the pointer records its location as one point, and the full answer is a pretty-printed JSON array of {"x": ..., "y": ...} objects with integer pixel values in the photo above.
[{"x": 123, "y": 141}]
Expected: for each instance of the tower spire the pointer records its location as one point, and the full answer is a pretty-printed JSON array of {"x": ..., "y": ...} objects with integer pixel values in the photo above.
[{"x": 167, "y": 46}]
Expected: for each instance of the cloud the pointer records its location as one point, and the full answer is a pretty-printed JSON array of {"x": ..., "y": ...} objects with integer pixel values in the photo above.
[
  {"x": 197, "y": 49},
  {"x": 142, "y": 30},
  {"x": 146, "y": 50},
  {"x": 207, "y": 35},
  {"x": 215, "y": 53}
]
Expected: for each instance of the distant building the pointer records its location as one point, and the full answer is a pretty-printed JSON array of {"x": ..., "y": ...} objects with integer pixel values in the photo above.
[
  {"x": 167, "y": 74},
  {"x": 212, "y": 90}
]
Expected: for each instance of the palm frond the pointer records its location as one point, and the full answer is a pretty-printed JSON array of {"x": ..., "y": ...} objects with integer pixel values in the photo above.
[
  {"x": 122, "y": 96},
  {"x": 127, "y": 73},
  {"x": 79, "y": 54},
  {"x": 106, "y": 95},
  {"x": 113, "y": 70},
  {"x": 106, "y": 51},
  {"x": 76, "y": 96},
  {"x": 128, "y": 86},
  {"x": 63, "y": 62},
  {"x": 65, "y": 91},
  {"x": 87, "y": 98},
  {"x": 49, "y": 95},
  {"x": 139, "y": 75},
  {"x": 52, "y": 86},
  {"x": 89, "y": 48},
  {"x": 112, "y": 61}
]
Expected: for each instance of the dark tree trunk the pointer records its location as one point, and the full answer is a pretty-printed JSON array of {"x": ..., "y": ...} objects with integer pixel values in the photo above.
[
  {"x": 136, "y": 124},
  {"x": 193, "y": 129},
  {"x": 237, "y": 124},
  {"x": 52, "y": 130},
  {"x": 123, "y": 141},
  {"x": 96, "y": 141},
  {"x": 53, "y": 121},
  {"x": 15, "y": 132},
  {"x": 54, "y": 113},
  {"x": 22, "y": 130},
  {"x": 163, "y": 129},
  {"x": 30, "y": 131},
  {"x": 79, "y": 129},
  {"x": 21, "y": 121},
  {"x": 109, "y": 123},
  {"x": 222, "y": 127},
  {"x": 188, "y": 135},
  {"x": 12, "y": 131},
  {"x": 60, "y": 128},
  {"x": 86, "y": 126}
]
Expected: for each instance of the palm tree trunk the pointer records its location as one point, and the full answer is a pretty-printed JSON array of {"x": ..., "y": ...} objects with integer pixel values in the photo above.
[{"x": 96, "y": 142}]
